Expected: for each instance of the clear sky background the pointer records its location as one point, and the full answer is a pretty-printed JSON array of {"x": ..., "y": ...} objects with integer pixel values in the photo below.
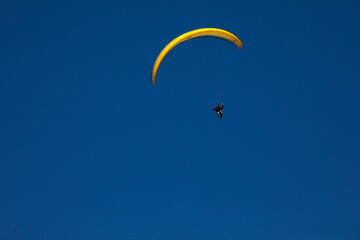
[{"x": 89, "y": 150}]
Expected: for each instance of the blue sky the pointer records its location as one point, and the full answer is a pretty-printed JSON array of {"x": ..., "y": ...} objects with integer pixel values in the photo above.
[{"x": 89, "y": 150}]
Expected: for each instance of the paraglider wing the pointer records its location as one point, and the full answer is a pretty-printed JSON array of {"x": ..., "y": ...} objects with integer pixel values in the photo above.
[{"x": 203, "y": 32}]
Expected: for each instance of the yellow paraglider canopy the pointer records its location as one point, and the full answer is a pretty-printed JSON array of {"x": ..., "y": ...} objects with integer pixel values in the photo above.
[{"x": 202, "y": 32}]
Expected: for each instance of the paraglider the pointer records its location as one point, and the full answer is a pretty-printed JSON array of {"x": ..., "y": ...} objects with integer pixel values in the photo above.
[
  {"x": 202, "y": 32},
  {"x": 218, "y": 110}
]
